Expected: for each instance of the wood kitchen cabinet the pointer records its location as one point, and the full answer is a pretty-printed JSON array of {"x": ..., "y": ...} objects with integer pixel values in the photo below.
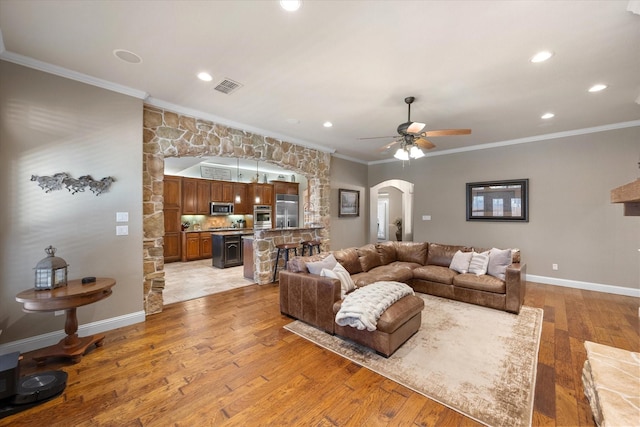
[
  {"x": 285, "y": 187},
  {"x": 245, "y": 206},
  {"x": 196, "y": 245},
  {"x": 189, "y": 196},
  {"x": 222, "y": 191},
  {"x": 171, "y": 212},
  {"x": 262, "y": 191},
  {"x": 203, "y": 197},
  {"x": 196, "y": 195}
]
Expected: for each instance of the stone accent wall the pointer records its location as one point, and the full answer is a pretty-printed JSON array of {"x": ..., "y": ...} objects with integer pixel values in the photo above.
[
  {"x": 265, "y": 251},
  {"x": 169, "y": 134}
]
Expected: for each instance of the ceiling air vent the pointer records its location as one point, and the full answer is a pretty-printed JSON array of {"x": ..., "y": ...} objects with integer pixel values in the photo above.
[{"x": 227, "y": 86}]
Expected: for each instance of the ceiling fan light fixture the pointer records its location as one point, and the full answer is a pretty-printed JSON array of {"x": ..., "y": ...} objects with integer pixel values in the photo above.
[
  {"x": 416, "y": 152},
  {"x": 401, "y": 154}
]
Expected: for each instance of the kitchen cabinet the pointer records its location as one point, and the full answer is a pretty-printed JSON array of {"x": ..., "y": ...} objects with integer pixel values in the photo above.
[
  {"x": 203, "y": 197},
  {"x": 189, "y": 196},
  {"x": 171, "y": 192},
  {"x": 245, "y": 206},
  {"x": 285, "y": 187},
  {"x": 222, "y": 191},
  {"x": 196, "y": 245},
  {"x": 227, "y": 250},
  {"x": 171, "y": 212},
  {"x": 196, "y": 195},
  {"x": 262, "y": 191}
]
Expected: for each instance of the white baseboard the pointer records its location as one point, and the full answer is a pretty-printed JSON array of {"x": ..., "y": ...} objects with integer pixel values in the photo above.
[
  {"x": 587, "y": 286},
  {"x": 51, "y": 338}
]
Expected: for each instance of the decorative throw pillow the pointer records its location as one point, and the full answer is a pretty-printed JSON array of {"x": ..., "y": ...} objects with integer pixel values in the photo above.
[
  {"x": 498, "y": 261},
  {"x": 340, "y": 273},
  {"x": 316, "y": 267},
  {"x": 460, "y": 261},
  {"x": 479, "y": 263}
]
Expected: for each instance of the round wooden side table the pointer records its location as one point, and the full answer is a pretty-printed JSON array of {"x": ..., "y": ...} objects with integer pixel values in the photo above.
[{"x": 67, "y": 298}]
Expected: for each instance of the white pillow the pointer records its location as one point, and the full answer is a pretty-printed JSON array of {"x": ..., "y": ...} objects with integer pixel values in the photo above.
[
  {"x": 340, "y": 273},
  {"x": 460, "y": 261},
  {"x": 479, "y": 263},
  {"x": 498, "y": 261},
  {"x": 317, "y": 266}
]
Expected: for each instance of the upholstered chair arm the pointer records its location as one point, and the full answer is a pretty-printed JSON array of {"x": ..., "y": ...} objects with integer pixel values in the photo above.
[
  {"x": 309, "y": 297},
  {"x": 515, "y": 286}
]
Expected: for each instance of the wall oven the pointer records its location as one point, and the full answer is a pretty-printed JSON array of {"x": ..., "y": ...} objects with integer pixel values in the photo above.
[{"x": 261, "y": 216}]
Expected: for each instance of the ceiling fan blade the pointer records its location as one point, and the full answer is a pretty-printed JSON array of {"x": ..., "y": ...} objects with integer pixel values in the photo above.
[
  {"x": 424, "y": 143},
  {"x": 445, "y": 132},
  {"x": 415, "y": 127},
  {"x": 389, "y": 145},
  {"x": 379, "y": 137}
]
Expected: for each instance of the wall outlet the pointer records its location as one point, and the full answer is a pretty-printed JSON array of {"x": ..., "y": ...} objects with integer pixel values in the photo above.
[
  {"x": 58, "y": 312},
  {"x": 554, "y": 266},
  {"x": 426, "y": 217}
]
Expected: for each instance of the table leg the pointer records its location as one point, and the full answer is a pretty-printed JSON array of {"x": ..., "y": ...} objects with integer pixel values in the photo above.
[{"x": 70, "y": 346}]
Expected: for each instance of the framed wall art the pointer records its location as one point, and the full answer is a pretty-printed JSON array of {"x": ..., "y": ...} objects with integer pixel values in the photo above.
[
  {"x": 349, "y": 202},
  {"x": 498, "y": 200}
]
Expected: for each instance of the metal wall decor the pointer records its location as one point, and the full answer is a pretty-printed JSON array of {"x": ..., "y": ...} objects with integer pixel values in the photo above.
[{"x": 57, "y": 181}]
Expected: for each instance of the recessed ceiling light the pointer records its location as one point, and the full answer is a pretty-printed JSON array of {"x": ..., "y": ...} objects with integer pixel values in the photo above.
[
  {"x": 327, "y": 124},
  {"x": 290, "y": 5},
  {"x": 541, "y": 56},
  {"x": 127, "y": 56},
  {"x": 205, "y": 77},
  {"x": 597, "y": 88},
  {"x": 547, "y": 116}
]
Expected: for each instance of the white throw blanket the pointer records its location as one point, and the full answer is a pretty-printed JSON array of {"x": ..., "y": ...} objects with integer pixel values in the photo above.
[{"x": 363, "y": 307}]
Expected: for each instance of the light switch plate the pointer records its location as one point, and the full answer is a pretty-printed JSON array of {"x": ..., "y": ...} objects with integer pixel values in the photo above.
[
  {"x": 122, "y": 216},
  {"x": 122, "y": 230},
  {"x": 426, "y": 217}
]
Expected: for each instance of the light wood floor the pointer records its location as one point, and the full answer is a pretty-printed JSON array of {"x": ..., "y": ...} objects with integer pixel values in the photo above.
[{"x": 225, "y": 359}]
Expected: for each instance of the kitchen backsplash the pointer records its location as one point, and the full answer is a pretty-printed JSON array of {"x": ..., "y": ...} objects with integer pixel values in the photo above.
[{"x": 206, "y": 222}]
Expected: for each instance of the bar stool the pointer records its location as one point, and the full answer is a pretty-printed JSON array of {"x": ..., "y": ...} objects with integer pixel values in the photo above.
[
  {"x": 311, "y": 244},
  {"x": 284, "y": 247}
]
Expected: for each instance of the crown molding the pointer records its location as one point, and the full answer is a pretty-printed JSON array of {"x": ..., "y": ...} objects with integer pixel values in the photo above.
[{"x": 70, "y": 74}]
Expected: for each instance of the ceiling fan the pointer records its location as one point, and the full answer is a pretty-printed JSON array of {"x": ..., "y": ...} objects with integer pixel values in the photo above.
[{"x": 413, "y": 136}]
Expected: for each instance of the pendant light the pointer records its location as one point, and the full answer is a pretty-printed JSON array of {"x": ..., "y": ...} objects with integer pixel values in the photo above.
[
  {"x": 257, "y": 200},
  {"x": 238, "y": 176}
]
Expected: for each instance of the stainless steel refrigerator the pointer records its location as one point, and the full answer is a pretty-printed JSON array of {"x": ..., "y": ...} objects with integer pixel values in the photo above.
[{"x": 286, "y": 210}]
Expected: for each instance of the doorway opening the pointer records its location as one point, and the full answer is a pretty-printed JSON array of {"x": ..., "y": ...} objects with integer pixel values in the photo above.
[{"x": 402, "y": 208}]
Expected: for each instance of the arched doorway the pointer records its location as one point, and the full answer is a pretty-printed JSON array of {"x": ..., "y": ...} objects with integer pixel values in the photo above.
[
  {"x": 406, "y": 188},
  {"x": 170, "y": 134}
]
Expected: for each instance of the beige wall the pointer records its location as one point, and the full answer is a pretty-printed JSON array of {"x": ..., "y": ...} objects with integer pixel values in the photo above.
[
  {"x": 348, "y": 232},
  {"x": 50, "y": 124},
  {"x": 571, "y": 220}
]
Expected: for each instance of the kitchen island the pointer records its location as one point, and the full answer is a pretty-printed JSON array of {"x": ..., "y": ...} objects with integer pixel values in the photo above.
[{"x": 226, "y": 247}]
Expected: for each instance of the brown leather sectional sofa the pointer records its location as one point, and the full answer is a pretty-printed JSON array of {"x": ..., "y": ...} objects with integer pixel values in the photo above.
[{"x": 423, "y": 266}]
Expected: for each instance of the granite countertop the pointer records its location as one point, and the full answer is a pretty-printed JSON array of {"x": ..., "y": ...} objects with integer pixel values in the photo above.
[{"x": 238, "y": 232}]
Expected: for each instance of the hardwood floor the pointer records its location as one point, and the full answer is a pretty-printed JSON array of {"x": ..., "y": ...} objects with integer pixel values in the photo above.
[{"x": 225, "y": 359}]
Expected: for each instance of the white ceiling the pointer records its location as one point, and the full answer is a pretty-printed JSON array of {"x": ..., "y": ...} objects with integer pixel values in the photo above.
[{"x": 352, "y": 63}]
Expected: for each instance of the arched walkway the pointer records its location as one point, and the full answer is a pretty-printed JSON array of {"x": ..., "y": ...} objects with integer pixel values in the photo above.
[
  {"x": 169, "y": 134},
  {"x": 407, "y": 208}
]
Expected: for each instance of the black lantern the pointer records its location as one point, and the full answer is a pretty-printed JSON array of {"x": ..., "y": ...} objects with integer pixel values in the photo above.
[{"x": 51, "y": 272}]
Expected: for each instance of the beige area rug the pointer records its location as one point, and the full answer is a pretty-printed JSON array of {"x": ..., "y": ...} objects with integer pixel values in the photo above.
[
  {"x": 195, "y": 279},
  {"x": 475, "y": 360}
]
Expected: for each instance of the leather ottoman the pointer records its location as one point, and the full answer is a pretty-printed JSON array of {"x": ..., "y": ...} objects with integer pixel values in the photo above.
[{"x": 396, "y": 325}]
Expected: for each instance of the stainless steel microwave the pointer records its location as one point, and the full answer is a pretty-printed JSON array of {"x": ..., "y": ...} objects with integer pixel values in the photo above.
[{"x": 219, "y": 208}]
